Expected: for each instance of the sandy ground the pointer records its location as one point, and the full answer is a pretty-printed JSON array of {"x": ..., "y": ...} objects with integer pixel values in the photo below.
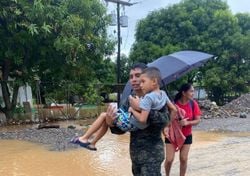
[
  {"x": 220, "y": 148},
  {"x": 225, "y": 124},
  {"x": 218, "y": 154}
]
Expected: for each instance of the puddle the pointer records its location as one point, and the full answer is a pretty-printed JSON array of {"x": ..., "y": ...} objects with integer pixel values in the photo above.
[
  {"x": 19, "y": 158},
  {"x": 213, "y": 153}
]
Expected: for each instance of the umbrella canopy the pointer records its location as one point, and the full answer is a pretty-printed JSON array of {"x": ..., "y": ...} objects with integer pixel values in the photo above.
[{"x": 174, "y": 66}]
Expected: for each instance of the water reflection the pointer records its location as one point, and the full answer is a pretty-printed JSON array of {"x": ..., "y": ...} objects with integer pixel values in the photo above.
[
  {"x": 211, "y": 153},
  {"x": 20, "y": 158}
]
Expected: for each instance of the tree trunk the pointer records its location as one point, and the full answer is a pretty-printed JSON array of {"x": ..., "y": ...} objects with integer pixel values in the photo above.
[
  {"x": 4, "y": 83},
  {"x": 14, "y": 96},
  {"x": 6, "y": 94},
  {"x": 8, "y": 114},
  {"x": 9, "y": 104}
]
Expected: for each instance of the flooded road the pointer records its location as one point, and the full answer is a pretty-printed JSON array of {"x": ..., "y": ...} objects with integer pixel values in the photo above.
[
  {"x": 20, "y": 158},
  {"x": 217, "y": 154}
]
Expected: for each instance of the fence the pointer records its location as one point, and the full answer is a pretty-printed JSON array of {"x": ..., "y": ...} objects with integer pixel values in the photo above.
[
  {"x": 70, "y": 100},
  {"x": 45, "y": 101}
]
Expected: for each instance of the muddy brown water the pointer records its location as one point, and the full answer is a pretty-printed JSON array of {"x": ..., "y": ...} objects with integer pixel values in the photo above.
[{"x": 215, "y": 154}]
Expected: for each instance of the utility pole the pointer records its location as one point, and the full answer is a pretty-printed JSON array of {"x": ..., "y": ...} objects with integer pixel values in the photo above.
[
  {"x": 118, "y": 3},
  {"x": 118, "y": 67}
]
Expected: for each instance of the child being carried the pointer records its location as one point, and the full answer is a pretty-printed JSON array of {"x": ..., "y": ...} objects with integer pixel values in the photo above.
[{"x": 135, "y": 118}]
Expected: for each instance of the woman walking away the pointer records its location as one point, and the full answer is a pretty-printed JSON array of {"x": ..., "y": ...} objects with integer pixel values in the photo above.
[{"x": 184, "y": 100}]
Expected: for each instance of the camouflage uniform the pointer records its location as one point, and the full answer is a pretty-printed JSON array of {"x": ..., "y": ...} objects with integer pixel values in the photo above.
[{"x": 146, "y": 146}]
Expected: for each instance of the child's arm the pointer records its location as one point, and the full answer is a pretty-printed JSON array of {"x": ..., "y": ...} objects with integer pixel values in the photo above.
[
  {"x": 172, "y": 110},
  {"x": 134, "y": 102},
  {"x": 141, "y": 116}
]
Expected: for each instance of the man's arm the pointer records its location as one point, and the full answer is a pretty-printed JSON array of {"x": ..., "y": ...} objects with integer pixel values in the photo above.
[
  {"x": 110, "y": 118},
  {"x": 110, "y": 115}
]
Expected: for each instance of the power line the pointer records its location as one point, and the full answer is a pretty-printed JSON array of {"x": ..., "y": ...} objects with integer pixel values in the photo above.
[{"x": 118, "y": 3}]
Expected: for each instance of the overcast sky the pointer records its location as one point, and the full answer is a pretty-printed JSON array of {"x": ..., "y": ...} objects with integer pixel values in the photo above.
[{"x": 140, "y": 10}]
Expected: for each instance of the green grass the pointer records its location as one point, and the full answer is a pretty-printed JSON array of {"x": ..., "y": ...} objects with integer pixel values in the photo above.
[{"x": 86, "y": 106}]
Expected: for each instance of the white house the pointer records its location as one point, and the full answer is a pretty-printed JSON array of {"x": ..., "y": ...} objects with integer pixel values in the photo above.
[{"x": 24, "y": 95}]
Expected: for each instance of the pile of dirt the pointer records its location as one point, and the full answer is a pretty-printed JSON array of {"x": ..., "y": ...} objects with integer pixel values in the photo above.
[
  {"x": 212, "y": 110},
  {"x": 239, "y": 107}
]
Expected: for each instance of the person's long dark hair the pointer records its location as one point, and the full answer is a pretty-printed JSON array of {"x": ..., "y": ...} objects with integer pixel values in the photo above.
[{"x": 184, "y": 88}]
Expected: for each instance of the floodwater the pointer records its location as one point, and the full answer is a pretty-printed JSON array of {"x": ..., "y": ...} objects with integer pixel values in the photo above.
[{"x": 215, "y": 154}]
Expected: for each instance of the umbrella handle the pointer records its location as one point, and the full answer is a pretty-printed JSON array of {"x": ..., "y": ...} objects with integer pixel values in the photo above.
[{"x": 165, "y": 89}]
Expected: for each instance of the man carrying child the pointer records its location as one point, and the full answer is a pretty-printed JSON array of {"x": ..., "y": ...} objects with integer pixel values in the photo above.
[{"x": 146, "y": 122}]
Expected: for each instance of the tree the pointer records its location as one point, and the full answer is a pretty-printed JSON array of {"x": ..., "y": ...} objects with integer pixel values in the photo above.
[
  {"x": 125, "y": 68},
  {"x": 53, "y": 40},
  {"x": 202, "y": 25}
]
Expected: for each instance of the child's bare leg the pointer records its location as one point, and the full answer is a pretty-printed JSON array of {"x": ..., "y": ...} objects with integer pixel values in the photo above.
[
  {"x": 94, "y": 127},
  {"x": 99, "y": 134}
]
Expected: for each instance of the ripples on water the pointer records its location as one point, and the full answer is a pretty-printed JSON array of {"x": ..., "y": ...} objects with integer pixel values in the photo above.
[
  {"x": 217, "y": 153},
  {"x": 19, "y": 158}
]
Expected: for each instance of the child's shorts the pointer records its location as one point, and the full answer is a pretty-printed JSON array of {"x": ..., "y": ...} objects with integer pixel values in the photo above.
[{"x": 123, "y": 122}]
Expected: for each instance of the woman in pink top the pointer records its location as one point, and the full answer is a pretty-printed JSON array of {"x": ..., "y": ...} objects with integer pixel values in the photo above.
[{"x": 184, "y": 100}]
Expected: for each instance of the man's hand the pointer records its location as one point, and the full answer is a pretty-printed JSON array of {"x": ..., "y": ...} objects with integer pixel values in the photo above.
[
  {"x": 134, "y": 102},
  {"x": 111, "y": 115},
  {"x": 166, "y": 132},
  {"x": 130, "y": 109}
]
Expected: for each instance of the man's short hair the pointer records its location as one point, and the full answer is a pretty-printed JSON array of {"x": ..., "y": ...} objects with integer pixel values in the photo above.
[
  {"x": 142, "y": 66},
  {"x": 153, "y": 73}
]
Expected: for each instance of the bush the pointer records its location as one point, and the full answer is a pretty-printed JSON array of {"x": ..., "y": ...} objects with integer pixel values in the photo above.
[{"x": 91, "y": 95}]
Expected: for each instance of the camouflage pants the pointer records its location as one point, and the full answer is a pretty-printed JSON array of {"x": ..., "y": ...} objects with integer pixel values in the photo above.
[
  {"x": 149, "y": 169},
  {"x": 147, "y": 156}
]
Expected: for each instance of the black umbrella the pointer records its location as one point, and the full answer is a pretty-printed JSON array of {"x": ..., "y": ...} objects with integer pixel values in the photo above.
[{"x": 174, "y": 66}]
